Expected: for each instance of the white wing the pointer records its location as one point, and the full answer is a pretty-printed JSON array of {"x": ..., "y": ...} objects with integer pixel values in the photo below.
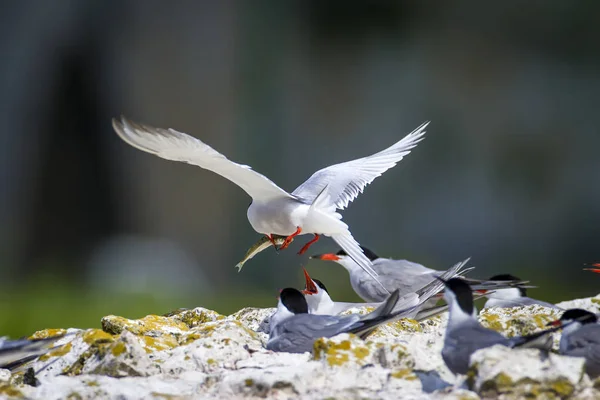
[
  {"x": 177, "y": 146},
  {"x": 347, "y": 180}
]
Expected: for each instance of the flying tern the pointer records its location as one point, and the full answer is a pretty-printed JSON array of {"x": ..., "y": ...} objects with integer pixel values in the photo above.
[
  {"x": 465, "y": 335},
  {"x": 309, "y": 209},
  {"x": 581, "y": 338},
  {"x": 292, "y": 329},
  {"x": 512, "y": 297},
  {"x": 404, "y": 275}
]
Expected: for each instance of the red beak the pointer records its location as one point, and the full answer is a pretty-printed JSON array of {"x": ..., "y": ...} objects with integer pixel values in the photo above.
[
  {"x": 309, "y": 286},
  {"x": 596, "y": 270},
  {"x": 558, "y": 322},
  {"x": 326, "y": 257}
]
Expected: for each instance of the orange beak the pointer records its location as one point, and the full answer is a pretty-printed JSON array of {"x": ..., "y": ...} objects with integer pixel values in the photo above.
[
  {"x": 596, "y": 270},
  {"x": 309, "y": 286},
  {"x": 558, "y": 322},
  {"x": 326, "y": 257}
]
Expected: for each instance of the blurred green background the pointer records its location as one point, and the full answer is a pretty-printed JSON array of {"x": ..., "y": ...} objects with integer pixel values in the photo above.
[{"x": 508, "y": 173}]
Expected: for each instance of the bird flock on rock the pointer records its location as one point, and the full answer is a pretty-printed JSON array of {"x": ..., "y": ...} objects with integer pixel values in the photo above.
[{"x": 393, "y": 288}]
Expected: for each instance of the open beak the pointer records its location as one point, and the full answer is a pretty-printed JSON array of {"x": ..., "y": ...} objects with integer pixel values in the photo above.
[
  {"x": 326, "y": 257},
  {"x": 309, "y": 286},
  {"x": 558, "y": 322}
]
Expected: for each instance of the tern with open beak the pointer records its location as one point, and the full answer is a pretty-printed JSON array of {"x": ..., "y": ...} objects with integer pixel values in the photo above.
[{"x": 309, "y": 209}]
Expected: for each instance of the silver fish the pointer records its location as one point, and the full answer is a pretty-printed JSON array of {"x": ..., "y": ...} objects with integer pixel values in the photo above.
[{"x": 262, "y": 244}]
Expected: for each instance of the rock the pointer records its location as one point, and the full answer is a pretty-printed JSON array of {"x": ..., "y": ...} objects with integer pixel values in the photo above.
[
  {"x": 591, "y": 304},
  {"x": 200, "y": 353},
  {"x": 524, "y": 373}
]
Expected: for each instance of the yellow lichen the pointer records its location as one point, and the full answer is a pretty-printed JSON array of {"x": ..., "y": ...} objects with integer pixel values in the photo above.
[
  {"x": 405, "y": 374},
  {"x": 491, "y": 321},
  {"x": 152, "y": 325},
  {"x": 562, "y": 387},
  {"x": 248, "y": 382},
  {"x": 337, "y": 354},
  {"x": 193, "y": 318},
  {"x": 118, "y": 348},
  {"x": 97, "y": 336},
  {"x": 47, "y": 333},
  {"x": 9, "y": 391},
  {"x": 164, "y": 342},
  {"x": 61, "y": 351}
]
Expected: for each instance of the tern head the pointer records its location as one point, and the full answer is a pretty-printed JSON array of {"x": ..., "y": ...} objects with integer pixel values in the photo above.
[
  {"x": 293, "y": 301},
  {"x": 316, "y": 294},
  {"x": 509, "y": 293},
  {"x": 580, "y": 316},
  {"x": 341, "y": 257},
  {"x": 459, "y": 293}
]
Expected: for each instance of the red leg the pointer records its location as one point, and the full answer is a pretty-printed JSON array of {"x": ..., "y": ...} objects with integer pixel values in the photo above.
[
  {"x": 289, "y": 239},
  {"x": 307, "y": 245}
]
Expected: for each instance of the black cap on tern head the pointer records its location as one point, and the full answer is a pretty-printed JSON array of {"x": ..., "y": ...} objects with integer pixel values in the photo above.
[
  {"x": 463, "y": 293},
  {"x": 509, "y": 277},
  {"x": 583, "y": 316},
  {"x": 320, "y": 284},
  {"x": 370, "y": 255},
  {"x": 294, "y": 301}
]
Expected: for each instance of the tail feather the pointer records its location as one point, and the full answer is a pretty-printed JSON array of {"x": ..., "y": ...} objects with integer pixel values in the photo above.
[{"x": 370, "y": 323}]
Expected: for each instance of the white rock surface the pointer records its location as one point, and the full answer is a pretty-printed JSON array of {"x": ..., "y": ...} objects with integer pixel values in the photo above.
[{"x": 202, "y": 354}]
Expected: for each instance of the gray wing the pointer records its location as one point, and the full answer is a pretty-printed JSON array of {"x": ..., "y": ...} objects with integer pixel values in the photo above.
[
  {"x": 347, "y": 180},
  {"x": 585, "y": 342},
  {"x": 14, "y": 353},
  {"x": 298, "y": 333},
  {"x": 460, "y": 343},
  {"x": 178, "y": 146}
]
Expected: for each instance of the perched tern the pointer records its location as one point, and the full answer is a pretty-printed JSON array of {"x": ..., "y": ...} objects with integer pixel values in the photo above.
[
  {"x": 15, "y": 353},
  {"x": 581, "y": 338},
  {"x": 309, "y": 209},
  {"x": 320, "y": 302},
  {"x": 292, "y": 329},
  {"x": 512, "y": 297},
  {"x": 465, "y": 335},
  {"x": 403, "y": 275}
]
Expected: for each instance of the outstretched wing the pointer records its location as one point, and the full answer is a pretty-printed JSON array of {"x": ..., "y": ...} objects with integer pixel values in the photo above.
[
  {"x": 347, "y": 180},
  {"x": 177, "y": 146}
]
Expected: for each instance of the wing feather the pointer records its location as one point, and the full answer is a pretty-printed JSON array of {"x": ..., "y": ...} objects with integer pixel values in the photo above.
[
  {"x": 347, "y": 180},
  {"x": 177, "y": 146}
]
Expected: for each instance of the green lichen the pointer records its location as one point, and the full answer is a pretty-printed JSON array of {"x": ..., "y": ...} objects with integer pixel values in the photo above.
[
  {"x": 74, "y": 396},
  {"x": 61, "y": 351}
]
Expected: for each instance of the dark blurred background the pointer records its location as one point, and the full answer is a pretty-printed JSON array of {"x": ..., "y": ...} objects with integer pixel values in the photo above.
[{"x": 509, "y": 172}]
